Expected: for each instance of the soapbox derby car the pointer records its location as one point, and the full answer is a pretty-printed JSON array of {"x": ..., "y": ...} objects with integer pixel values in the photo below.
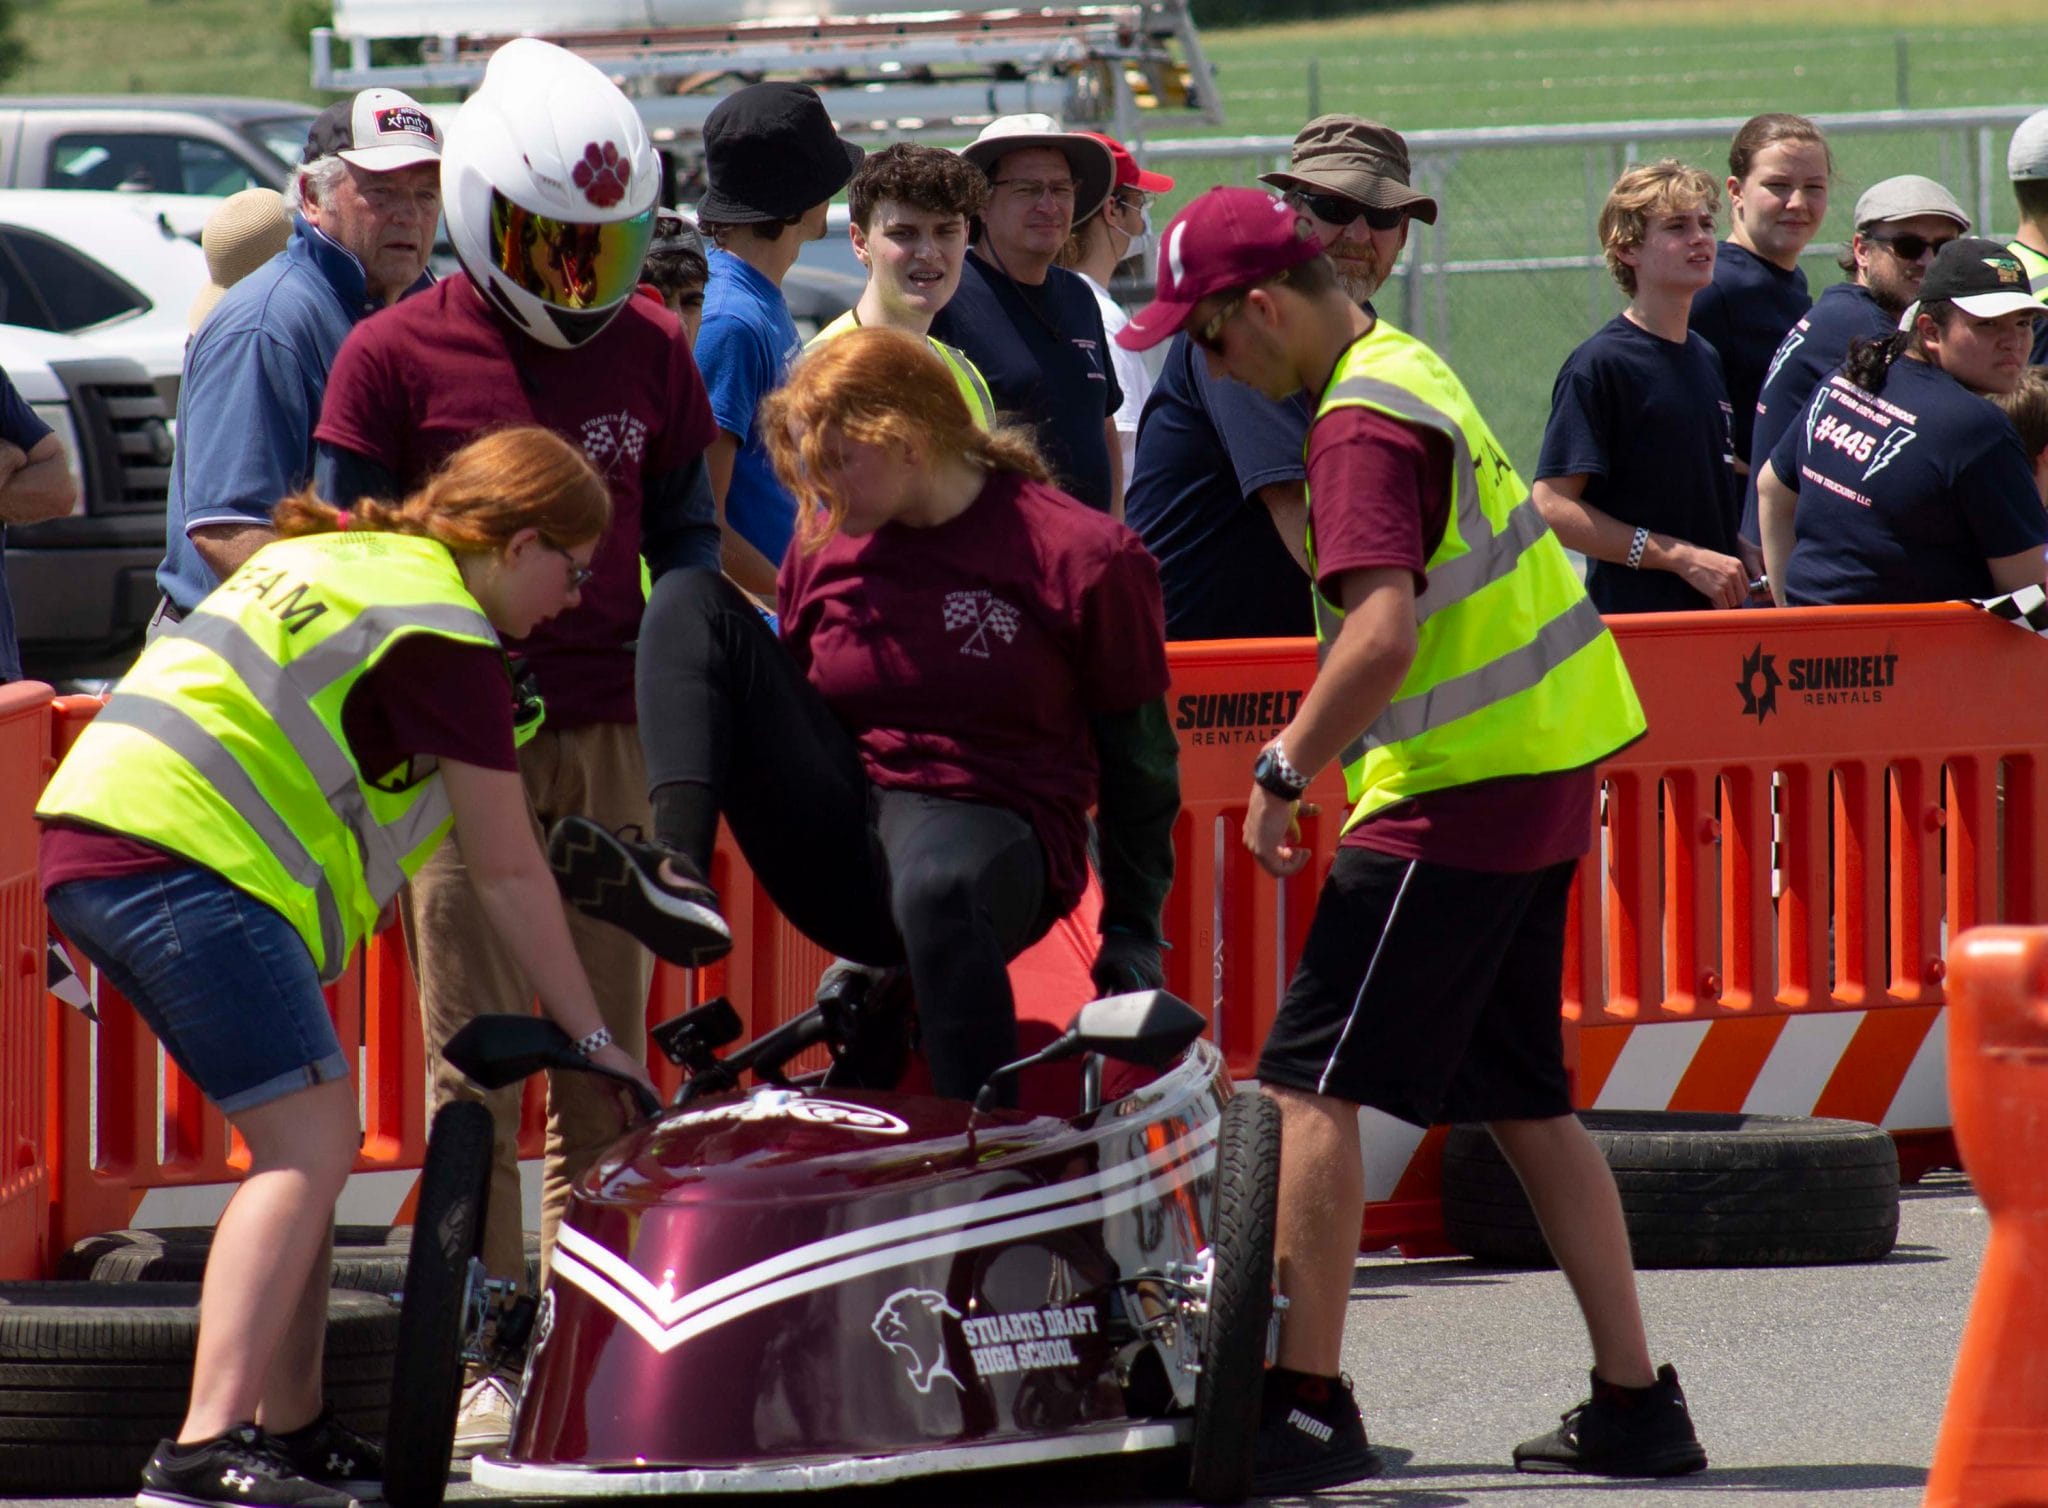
[{"x": 797, "y": 1284}]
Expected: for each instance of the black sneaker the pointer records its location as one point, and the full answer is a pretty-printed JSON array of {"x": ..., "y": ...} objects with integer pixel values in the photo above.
[
  {"x": 1621, "y": 1432},
  {"x": 1310, "y": 1436},
  {"x": 617, "y": 878},
  {"x": 329, "y": 1452},
  {"x": 245, "y": 1467}
]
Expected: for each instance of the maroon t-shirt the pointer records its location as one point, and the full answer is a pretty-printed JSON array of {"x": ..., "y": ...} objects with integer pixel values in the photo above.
[
  {"x": 967, "y": 658},
  {"x": 1380, "y": 496},
  {"x": 419, "y": 380},
  {"x": 429, "y": 695}
]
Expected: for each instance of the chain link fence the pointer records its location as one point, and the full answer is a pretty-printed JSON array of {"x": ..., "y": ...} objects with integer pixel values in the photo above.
[{"x": 1510, "y": 278}]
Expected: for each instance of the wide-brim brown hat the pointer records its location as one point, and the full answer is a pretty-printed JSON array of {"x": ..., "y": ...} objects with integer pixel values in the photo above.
[
  {"x": 1360, "y": 159},
  {"x": 1089, "y": 157}
]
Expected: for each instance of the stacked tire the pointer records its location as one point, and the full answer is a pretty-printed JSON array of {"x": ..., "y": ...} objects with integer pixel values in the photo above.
[
  {"x": 92, "y": 1375},
  {"x": 96, "y": 1367},
  {"x": 1698, "y": 1189}
]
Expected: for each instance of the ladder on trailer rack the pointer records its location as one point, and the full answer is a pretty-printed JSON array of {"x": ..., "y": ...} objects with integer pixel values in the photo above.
[{"x": 921, "y": 73}]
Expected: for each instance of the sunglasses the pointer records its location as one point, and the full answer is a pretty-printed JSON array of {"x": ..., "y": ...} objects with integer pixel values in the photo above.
[
  {"x": 1335, "y": 209},
  {"x": 578, "y": 574},
  {"x": 1210, "y": 336},
  {"x": 1910, "y": 248}
]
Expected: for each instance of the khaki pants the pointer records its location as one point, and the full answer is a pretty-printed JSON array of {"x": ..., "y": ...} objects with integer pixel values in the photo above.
[{"x": 463, "y": 971}]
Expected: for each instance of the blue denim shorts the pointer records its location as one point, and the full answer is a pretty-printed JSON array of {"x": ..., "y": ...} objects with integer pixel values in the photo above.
[{"x": 221, "y": 978}]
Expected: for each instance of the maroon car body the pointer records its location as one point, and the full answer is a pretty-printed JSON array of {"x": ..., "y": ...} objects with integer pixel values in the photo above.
[{"x": 798, "y": 1288}]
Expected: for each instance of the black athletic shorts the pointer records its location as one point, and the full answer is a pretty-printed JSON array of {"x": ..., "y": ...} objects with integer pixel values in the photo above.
[{"x": 1429, "y": 992}]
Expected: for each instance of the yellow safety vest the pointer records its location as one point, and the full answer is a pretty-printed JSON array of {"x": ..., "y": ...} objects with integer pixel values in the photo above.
[
  {"x": 224, "y": 744},
  {"x": 1514, "y": 672},
  {"x": 967, "y": 376},
  {"x": 2036, "y": 266}
]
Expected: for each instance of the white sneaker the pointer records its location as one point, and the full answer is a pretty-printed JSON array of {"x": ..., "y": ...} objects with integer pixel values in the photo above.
[{"x": 484, "y": 1422}]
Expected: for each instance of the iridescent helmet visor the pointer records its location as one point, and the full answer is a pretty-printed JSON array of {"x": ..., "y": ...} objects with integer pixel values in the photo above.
[{"x": 568, "y": 264}]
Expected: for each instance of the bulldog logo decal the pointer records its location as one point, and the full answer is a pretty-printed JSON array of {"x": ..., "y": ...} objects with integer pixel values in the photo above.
[{"x": 912, "y": 1323}]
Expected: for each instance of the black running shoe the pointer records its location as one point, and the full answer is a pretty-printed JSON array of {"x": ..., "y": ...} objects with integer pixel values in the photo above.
[
  {"x": 1621, "y": 1432},
  {"x": 1310, "y": 1436},
  {"x": 616, "y": 877},
  {"x": 329, "y": 1452},
  {"x": 245, "y": 1467}
]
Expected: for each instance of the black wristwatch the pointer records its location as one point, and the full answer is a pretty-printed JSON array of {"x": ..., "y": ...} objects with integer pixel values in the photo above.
[{"x": 1272, "y": 772}]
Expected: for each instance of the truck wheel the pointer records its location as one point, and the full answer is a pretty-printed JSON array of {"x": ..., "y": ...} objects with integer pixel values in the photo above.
[
  {"x": 368, "y": 1258},
  {"x": 1698, "y": 1190},
  {"x": 440, "y": 1274},
  {"x": 93, "y": 1375},
  {"x": 1240, "y": 1299}
]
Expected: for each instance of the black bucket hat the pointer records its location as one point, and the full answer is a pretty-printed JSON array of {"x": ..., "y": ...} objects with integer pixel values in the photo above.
[{"x": 770, "y": 153}]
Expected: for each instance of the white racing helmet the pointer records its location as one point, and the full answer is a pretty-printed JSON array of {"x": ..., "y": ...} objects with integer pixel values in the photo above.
[{"x": 550, "y": 185}]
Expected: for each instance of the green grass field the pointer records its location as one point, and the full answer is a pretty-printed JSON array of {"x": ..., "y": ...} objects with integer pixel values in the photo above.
[{"x": 1518, "y": 62}]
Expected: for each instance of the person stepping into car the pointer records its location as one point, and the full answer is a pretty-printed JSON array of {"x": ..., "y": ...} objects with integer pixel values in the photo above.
[{"x": 970, "y": 659}]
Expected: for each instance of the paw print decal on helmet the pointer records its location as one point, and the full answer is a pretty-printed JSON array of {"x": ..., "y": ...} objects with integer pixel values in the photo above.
[{"x": 602, "y": 174}]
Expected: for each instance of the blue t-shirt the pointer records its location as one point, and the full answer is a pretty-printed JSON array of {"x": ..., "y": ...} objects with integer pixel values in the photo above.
[
  {"x": 1904, "y": 494},
  {"x": 1046, "y": 359},
  {"x": 18, "y": 426},
  {"x": 255, "y": 376},
  {"x": 1811, "y": 350},
  {"x": 1744, "y": 314},
  {"x": 1646, "y": 421},
  {"x": 1205, "y": 448},
  {"x": 744, "y": 348}
]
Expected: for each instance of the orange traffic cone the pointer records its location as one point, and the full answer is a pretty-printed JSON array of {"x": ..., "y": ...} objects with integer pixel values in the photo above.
[{"x": 1993, "y": 1447}]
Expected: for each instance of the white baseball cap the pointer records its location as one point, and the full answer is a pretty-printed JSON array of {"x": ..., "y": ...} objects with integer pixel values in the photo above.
[
  {"x": 379, "y": 131},
  {"x": 2027, "y": 157}
]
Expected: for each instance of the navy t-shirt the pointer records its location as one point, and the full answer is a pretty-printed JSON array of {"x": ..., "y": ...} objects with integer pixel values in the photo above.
[
  {"x": 1205, "y": 448},
  {"x": 1046, "y": 359},
  {"x": 1646, "y": 421},
  {"x": 1812, "y": 349},
  {"x": 1905, "y": 494},
  {"x": 18, "y": 426},
  {"x": 1744, "y": 314}
]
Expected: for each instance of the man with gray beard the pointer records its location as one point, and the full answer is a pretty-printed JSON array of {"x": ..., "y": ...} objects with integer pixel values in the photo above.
[{"x": 1218, "y": 490}]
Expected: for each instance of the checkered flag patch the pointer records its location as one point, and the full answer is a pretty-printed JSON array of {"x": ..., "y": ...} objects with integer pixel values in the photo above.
[{"x": 2027, "y": 608}]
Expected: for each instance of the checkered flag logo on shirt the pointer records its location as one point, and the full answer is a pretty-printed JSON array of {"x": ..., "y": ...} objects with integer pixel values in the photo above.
[
  {"x": 984, "y": 613},
  {"x": 2027, "y": 607}
]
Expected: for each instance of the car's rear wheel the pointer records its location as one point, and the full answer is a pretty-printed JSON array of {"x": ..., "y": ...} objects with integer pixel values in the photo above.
[
  {"x": 1240, "y": 1300},
  {"x": 440, "y": 1273}
]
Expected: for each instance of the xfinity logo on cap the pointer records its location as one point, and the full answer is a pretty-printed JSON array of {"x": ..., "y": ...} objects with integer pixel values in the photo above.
[{"x": 400, "y": 118}]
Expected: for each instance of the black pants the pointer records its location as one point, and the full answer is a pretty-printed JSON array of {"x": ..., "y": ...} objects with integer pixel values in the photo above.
[{"x": 953, "y": 889}]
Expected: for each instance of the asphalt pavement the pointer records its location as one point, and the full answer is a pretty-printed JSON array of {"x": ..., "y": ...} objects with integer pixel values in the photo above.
[{"x": 1810, "y": 1385}]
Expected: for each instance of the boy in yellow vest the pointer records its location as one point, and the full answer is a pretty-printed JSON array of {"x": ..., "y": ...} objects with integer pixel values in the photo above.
[{"x": 1468, "y": 688}]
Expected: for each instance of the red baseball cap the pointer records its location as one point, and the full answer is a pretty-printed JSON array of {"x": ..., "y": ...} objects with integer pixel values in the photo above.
[
  {"x": 1128, "y": 173},
  {"x": 1227, "y": 238}
]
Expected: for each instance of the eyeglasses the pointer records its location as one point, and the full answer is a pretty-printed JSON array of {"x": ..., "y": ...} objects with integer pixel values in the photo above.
[
  {"x": 1908, "y": 247},
  {"x": 578, "y": 574},
  {"x": 1335, "y": 209},
  {"x": 1127, "y": 199},
  {"x": 1031, "y": 190},
  {"x": 1210, "y": 336}
]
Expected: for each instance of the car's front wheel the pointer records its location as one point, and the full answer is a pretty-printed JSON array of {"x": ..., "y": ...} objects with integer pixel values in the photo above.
[{"x": 1240, "y": 1299}]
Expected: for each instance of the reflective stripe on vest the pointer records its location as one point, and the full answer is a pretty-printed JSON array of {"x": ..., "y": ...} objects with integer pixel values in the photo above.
[
  {"x": 177, "y": 731},
  {"x": 1514, "y": 672},
  {"x": 974, "y": 388},
  {"x": 224, "y": 744}
]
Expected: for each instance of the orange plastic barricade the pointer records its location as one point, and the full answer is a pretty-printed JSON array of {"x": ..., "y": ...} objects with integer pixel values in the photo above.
[
  {"x": 25, "y": 1149},
  {"x": 1992, "y": 1451},
  {"x": 1758, "y": 926}
]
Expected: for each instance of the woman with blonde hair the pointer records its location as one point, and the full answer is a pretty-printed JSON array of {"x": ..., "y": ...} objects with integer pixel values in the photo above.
[
  {"x": 229, "y": 828},
  {"x": 970, "y": 660}
]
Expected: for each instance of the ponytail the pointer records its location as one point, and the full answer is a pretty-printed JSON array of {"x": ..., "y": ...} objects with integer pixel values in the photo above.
[
  {"x": 1870, "y": 361},
  {"x": 482, "y": 495}
]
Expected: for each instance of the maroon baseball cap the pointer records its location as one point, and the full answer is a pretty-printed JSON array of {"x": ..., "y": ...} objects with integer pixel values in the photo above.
[{"x": 1224, "y": 239}]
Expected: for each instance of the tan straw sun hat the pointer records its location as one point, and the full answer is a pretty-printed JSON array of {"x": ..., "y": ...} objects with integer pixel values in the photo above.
[{"x": 243, "y": 232}]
